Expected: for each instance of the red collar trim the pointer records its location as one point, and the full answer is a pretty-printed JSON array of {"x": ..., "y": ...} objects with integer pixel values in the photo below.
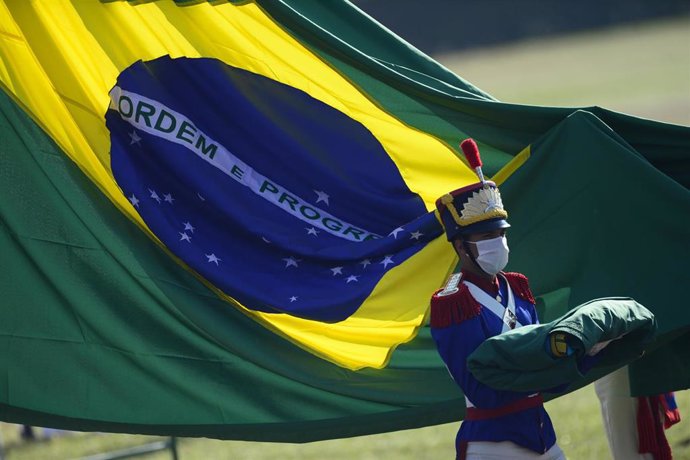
[{"x": 486, "y": 285}]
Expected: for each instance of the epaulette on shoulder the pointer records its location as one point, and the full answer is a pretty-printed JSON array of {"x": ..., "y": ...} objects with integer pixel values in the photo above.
[
  {"x": 448, "y": 308},
  {"x": 520, "y": 286}
]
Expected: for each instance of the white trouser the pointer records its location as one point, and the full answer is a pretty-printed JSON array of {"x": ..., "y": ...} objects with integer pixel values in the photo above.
[
  {"x": 619, "y": 413},
  {"x": 508, "y": 450}
]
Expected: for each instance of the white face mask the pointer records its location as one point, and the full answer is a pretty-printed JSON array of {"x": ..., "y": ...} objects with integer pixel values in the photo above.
[{"x": 493, "y": 254}]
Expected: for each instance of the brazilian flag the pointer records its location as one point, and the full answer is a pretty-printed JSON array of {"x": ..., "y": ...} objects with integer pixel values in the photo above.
[{"x": 217, "y": 219}]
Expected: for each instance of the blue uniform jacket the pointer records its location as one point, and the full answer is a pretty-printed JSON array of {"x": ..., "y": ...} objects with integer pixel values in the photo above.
[{"x": 459, "y": 324}]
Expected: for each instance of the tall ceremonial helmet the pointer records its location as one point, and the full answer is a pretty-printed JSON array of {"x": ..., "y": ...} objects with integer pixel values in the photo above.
[{"x": 475, "y": 208}]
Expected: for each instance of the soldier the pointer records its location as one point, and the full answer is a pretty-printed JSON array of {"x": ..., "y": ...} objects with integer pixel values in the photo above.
[
  {"x": 480, "y": 302},
  {"x": 635, "y": 426}
]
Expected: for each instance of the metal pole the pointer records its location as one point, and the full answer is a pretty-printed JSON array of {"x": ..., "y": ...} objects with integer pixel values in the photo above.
[
  {"x": 133, "y": 451},
  {"x": 173, "y": 447},
  {"x": 2, "y": 449}
]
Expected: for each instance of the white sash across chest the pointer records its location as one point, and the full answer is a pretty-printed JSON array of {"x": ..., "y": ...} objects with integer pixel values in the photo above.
[{"x": 506, "y": 314}]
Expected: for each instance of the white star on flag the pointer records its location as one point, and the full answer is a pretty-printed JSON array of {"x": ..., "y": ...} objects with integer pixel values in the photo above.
[
  {"x": 154, "y": 195},
  {"x": 365, "y": 262},
  {"x": 322, "y": 196},
  {"x": 312, "y": 231},
  {"x": 212, "y": 258},
  {"x": 291, "y": 261},
  {"x": 337, "y": 270},
  {"x": 395, "y": 232},
  {"x": 352, "y": 278},
  {"x": 387, "y": 260},
  {"x": 135, "y": 138},
  {"x": 133, "y": 199},
  {"x": 293, "y": 298},
  {"x": 188, "y": 226},
  {"x": 416, "y": 235},
  {"x": 168, "y": 197},
  {"x": 185, "y": 237}
]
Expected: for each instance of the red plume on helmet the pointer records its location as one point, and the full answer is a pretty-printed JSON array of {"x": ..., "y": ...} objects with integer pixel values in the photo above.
[{"x": 471, "y": 151}]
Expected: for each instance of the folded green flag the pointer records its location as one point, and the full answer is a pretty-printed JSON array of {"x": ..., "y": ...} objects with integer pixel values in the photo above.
[{"x": 519, "y": 361}]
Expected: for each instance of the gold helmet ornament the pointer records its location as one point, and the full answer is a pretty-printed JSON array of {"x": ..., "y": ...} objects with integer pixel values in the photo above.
[{"x": 475, "y": 208}]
